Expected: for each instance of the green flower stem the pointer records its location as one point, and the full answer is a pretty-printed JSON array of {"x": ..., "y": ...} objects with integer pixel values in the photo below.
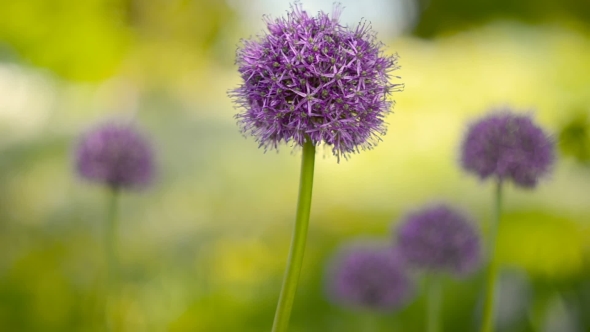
[
  {"x": 289, "y": 288},
  {"x": 110, "y": 246},
  {"x": 434, "y": 303},
  {"x": 369, "y": 322},
  {"x": 488, "y": 309}
]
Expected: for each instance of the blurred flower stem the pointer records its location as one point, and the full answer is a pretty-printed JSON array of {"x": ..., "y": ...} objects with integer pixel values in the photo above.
[
  {"x": 297, "y": 250},
  {"x": 434, "y": 302},
  {"x": 110, "y": 246},
  {"x": 488, "y": 309},
  {"x": 369, "y": 322}
]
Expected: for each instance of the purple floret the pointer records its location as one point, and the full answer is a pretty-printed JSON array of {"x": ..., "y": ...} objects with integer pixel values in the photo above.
[
  {"x": 312, "y": 77},
  {"x": 508, "y": 146},
  {"x": 115, "y": 155},
  {"x": 439, "y": 239},
  {"x": 370, "y": 278}
]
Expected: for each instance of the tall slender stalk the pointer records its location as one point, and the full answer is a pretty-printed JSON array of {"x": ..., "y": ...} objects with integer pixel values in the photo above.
[
  {"x": 488, "y": 310},
  {"x": 295, "y": 261},
  {"x": 110, "y": 246},
  {"x": 369, "y": 322},
  {"x": 434, "y": 303}
]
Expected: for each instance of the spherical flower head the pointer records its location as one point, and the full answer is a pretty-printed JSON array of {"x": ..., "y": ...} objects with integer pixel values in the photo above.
[
  {"x": 308, "y": 77},
  {"x": 115, "y": 155},
  {"x": 370, "y": 278},
  {"x": 507, "y": 146},
  {"x": 439, "y": 239}
]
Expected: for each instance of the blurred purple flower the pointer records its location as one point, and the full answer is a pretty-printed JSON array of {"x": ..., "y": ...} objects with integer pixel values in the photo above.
[
  {"x": 312, "y": 77},
  {"x": 115, "y": 155},
  {"x": 369, "y": 277},
  {"x": 507, "y": 146},
  {"x": 439, "y": 238}
]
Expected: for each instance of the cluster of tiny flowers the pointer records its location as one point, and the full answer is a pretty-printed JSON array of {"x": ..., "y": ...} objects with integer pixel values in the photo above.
[
  {"x": 371, "y": 278},
  {"x": 507, "y": 146},
  {"x": 115, "y": 155},
  {"x": 439, "y": 238},
  {"x": 312, "y": 78}
]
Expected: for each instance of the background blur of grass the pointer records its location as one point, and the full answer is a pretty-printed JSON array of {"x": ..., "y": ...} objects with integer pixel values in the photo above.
[{"x": 204, "y": 249}]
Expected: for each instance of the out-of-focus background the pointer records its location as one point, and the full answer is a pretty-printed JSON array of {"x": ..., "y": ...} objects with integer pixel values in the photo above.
[{"x": 205, "y": 247}]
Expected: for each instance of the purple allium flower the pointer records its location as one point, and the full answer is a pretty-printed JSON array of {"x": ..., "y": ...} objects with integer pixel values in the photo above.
[
  {"x": 115, "y": 155},
  {"x": 369, "y": 277},
  {"x": 439, "y": 238},
  {"x": 312, "y": 77},
  {"x": 507, "y": 146}
]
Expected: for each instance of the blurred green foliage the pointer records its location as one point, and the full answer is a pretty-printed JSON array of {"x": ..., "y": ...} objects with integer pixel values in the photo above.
[
  {"x": 446, "y": 16},
  {"x": 76, "y": 39},
  {"x": 574, "y": 138},
  {"x": 93, "y": 40}
]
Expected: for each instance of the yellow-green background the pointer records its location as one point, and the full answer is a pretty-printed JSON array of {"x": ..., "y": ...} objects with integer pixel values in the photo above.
[{"x": 205, "y": 247}]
